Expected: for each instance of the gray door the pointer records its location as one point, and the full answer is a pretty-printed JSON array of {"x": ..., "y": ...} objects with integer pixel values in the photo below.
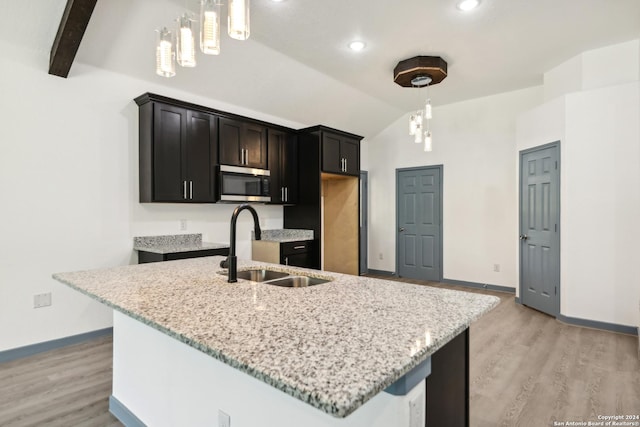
[
  {"x": 419, "y": 225},
  {"x": 539, "y": 228},
  {"x": 364, "y": 220}
]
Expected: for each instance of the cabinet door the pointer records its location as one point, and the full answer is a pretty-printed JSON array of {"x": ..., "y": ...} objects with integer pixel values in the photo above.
[
  {"x": 289, "y": 168},
  {"x": 254, "y": 141},
  {"x": 299, "y": 260},
  {"x": 331, "y": 161},
  {"x": 201, "y": 154},
  {"x": 276, "y": 144},
  {"x": 349, "y": 151},
  {"x": 297, "y": 253},
  {"x": 229, "y": 141},
  {"x": 169, "y": 165}
]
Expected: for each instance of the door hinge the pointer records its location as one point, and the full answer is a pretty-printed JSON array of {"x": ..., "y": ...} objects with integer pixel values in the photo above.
[
  {"x": 556, "y": 165},
  {"x": 555, "y": 227}
]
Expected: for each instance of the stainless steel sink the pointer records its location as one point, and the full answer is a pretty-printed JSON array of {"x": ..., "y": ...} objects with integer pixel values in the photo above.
[
  {"x": 277, "y": 278},
  {"x": 296, "y": 281},
  {"x": 259, "y": 275}
]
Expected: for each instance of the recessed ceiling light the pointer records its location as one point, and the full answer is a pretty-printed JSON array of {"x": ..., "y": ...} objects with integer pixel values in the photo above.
[
  {"x": 466, "y": 5},
  {"x": 357, "y": 45},
  {"x": 276, "y": 1}
]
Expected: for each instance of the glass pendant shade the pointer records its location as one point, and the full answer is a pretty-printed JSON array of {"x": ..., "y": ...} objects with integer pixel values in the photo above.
[
  {"x": 428, "y": 142},
  {"x": 210, "y": 27},
  {"x": 238, "y": 19},
  {"x": 427, "y": 110},
  {"x": 418, "y": 136},
  {"x": 165, "y": 55},
  {"x": 413, "y": 125},
  {"x": 186, "y": 43}
]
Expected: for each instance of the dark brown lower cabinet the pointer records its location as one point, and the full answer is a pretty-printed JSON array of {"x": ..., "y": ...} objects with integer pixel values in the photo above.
[
  {"x": 144, "y": 256},
  {"x": 448, "y": 385}
]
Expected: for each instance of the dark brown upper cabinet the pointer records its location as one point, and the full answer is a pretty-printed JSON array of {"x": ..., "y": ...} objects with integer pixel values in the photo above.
[
  {"x": 340, "y": 154},
  {"x": 283, "y": 165},
  {"x": 242, "y": 143},
  {"x": 178, "y": 153}
]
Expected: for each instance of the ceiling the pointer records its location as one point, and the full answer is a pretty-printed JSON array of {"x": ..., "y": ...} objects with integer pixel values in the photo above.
[{"x": 297, "y": 62}]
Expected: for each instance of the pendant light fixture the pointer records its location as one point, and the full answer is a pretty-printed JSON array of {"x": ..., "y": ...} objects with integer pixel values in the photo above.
[
  {"x": 238, "y": 19},
  {"x": 186, "y": 42},
  {"x": 419, "y": 72},
  {"x": 183, "y": 48},
  {"x": 165, "y": 55},
  {"x": 210, "y": 27}
]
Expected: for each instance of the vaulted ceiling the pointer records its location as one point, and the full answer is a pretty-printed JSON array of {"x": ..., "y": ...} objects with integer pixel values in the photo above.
[{"x": 297, "y": 63}]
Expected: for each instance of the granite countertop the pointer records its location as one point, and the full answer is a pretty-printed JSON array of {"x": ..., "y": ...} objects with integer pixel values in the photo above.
[
  {"x": 284, "y": 235},
  {"x": 171, "y": 244},
  {"x": 333, "y": 346}
]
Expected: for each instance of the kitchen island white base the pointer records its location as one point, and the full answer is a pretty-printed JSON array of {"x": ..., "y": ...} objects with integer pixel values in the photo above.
[{"x": 164, "y": 382}]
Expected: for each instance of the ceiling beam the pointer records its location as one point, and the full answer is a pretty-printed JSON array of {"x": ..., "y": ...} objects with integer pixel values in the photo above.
[{"x": 72, "y": 27}]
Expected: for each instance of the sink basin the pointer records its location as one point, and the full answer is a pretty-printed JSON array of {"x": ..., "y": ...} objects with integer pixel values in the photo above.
[
  {"x": 296, "y": 281},
  {"x": 258, "y": 275}
]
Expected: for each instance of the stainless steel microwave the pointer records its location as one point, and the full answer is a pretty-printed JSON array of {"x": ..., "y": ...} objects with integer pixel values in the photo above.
[{"x": 238, "y": 184}]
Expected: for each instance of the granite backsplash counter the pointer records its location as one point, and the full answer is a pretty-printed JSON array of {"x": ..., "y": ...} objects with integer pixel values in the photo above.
[
  {"x": 284, "y": 235},
  {"x": 333, "y": 346},
  {"x": 169, "y": 244}
]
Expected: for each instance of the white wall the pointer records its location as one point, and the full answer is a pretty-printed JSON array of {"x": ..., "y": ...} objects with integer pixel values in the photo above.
[
  {"x": 608, "y": 66},
  {"x": 599, "y": 130},
  {"x": 475, "y": 141},
  {"x": 69, "y": 182}
]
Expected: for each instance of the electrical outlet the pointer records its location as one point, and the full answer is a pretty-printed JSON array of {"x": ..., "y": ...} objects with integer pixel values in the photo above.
[
  {"x": 380, "y": 255},
  {"x": 183, "y": 225},
  {"x": 42, "y": 300},
  {"x": 224, "y": 419},
  {"x": 496, "y": 268}
]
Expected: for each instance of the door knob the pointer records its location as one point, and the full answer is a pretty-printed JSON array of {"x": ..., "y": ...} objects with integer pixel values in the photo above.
[
  {"x": 523, "y": 237},
  {"x": 401, "y": 229}
]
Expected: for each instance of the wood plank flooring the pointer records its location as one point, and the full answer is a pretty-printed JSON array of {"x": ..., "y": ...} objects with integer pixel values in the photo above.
[
  {"x": 527, "y": 369},
  {"x": 67, "y": 387}
]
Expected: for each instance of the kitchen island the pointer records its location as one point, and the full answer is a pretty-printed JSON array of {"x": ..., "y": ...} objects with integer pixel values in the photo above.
[{"x": 183, "y": 337}]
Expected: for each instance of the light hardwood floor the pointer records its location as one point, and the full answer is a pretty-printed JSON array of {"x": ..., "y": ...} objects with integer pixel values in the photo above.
[
  {"x": 527, "y": 369},
  {"x": 67, "y": 387}
]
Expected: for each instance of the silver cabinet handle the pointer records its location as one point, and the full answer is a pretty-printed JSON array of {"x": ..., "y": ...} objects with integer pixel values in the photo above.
[
  {"x": 282, "y": 193},
  {"x": 299, "y": 247},
  {"x": 191, "y": 190},
  {"x": 184, "y": 189},
  {"x": 286, "y": 194},
  {"x": 344, "y": 164},
  {"x": 286, "y": 261}
]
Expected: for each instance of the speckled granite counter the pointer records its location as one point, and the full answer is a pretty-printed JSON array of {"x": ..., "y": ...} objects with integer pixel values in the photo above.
[
  {"x": 170, "y": 244},
  {"x": 284, "y": 235},
  {"x": 333, "y": 346}
]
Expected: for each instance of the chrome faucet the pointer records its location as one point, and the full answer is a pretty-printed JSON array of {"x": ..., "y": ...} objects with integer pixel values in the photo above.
[{"x": 232, "y": 260}]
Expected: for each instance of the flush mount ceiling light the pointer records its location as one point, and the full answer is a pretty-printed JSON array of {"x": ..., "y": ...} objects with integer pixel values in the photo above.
[
  {"x": 467, "y": 5},
  {"x": 181, "y": 44},
  {"x": 357, "y": 45},
  {"x": 419, "y": 72}
]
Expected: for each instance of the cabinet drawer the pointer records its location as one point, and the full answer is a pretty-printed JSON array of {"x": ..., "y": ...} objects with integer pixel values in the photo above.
[{"x": 292, "y": 248}]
